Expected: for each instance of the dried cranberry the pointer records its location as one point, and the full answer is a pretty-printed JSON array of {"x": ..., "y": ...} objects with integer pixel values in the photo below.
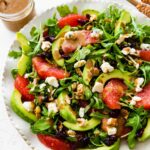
[
  {"x": 45, "y": 33},
  {"x": 61, "y": 133},
  {"x": 110, "y": 140},
  {"x": 132, "y": 42},
  {"x": 49, "y": 38},
  {"x": 83, "y": 103},
  {"x": 88, "y": 16},
  {"x": 65, "y": 56},
  {"x": 46, "y": 97},
  {"x": 114, "y": 113},
  {"x": 113, "y": 137},
  {"x": 139, "y": 133},
  {"x": 82, "y": 22},
  {"x": 45, "y": 55},
  {"x": 61, "y": 52},
  {"x": 80, "y": 143},
  {"x": 83, "y": 141}
]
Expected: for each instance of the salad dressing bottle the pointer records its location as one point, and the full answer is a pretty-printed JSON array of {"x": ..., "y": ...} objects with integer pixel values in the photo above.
[{"x": 16, "y": 13}]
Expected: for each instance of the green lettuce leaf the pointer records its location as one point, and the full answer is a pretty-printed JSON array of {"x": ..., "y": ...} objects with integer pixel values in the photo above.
[
  {"x": 137, "y": 120},
  {"x": 64, "y": 10},
  {"x": 146, "y": 72},
  {"x": 40, "y": 125},
  {"x": 15, "y": 54}
]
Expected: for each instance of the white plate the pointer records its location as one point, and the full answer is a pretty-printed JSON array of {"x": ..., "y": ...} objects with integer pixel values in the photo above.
[{"x": 23, "y": 127}]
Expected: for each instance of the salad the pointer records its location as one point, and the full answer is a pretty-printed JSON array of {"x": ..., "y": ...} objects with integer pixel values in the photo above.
[{"x": 83, "y": 82}]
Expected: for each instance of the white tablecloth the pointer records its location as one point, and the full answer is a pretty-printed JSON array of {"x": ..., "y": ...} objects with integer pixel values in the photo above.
[{"x": 9, "y": 137}]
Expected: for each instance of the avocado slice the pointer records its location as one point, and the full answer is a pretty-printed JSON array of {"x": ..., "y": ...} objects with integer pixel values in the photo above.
[
  {"x": 63, "y": 31},
  {"x": 18, "y": 108},
  {"x": 90, "y": 124},
  {"x": 24, "y": 43},
  {"x": 23, "y": 63},
  {"x": 115, "y": 146},
  {"x": 87, "y": 71},
  {"x": 55, "y": 52},
  {"x": 146, "y": 133},
  {"x": 66, "y": 111},
  {"x": 104, "y": 77},
  {"x": 25, "y": 60},
  {"x": 90, "y": 12},
  {"x": 124, "y": 19}
]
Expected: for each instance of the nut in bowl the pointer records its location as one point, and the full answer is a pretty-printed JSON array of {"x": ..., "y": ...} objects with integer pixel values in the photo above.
[{"x": 76, "y": 85}]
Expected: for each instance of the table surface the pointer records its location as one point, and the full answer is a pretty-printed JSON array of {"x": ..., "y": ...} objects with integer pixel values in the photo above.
[{"x": 9, "y": 137}]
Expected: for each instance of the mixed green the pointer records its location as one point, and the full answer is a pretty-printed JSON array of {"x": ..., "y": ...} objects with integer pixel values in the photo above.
[{"x": 82, "y": 81}]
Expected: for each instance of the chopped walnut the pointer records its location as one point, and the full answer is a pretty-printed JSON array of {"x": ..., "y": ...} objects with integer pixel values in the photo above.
[
  {"x": 78, "y": 71},
  {"x": 124, "y": 113},
  {"x": 82, "y": 122},
  {"x": 71, "y": 133}
]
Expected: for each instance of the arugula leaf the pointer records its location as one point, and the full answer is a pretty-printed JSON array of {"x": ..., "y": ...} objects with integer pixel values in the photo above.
[
  {"x": 117, "y": 50},
  {"x": 98, "y": 103},
  {"x": 98, "y": 115},
  {"x": 34, "y": 32},
  {"x": 96, "y": 141},
  {"x": 37, "y": 49},
  {"x": 72, "y": 139},
  {"x": 106, "y": 35},
  {"x": 107, "y": 21},
  {"x": 44, "y": 111},
  {"x": 66, "y": 84},
  {"x": 134, "y": 122},
  {"x": 79, "y": 55},
  {"x": 87, "y": 108},
  {"x": 97, "y": 53},
  {"x": 14, "y": 72},
  {"x": 137, "y": 29},
  {"x": 35, "y": 42},
  {"x": 40, "y": 125},
  {"x": 146, "y": 72},
  {"x": 51, "y": 22},
  {"x": 64, "y": 10},
  {"x": 107, "y": 45},
  {"x": 15, "y": 54},
  {"x": 58, "y": 91},
  {"x": 137, "y": 119},
  {"x": 146, "y": 30},
  {"x": 82, "y": 53},
  {"x": 67, "y": 81},
  {"x": 52, "y": 25}
]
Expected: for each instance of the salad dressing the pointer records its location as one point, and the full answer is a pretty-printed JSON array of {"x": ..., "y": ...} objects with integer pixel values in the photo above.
[{"x": 12, "y": 6}]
